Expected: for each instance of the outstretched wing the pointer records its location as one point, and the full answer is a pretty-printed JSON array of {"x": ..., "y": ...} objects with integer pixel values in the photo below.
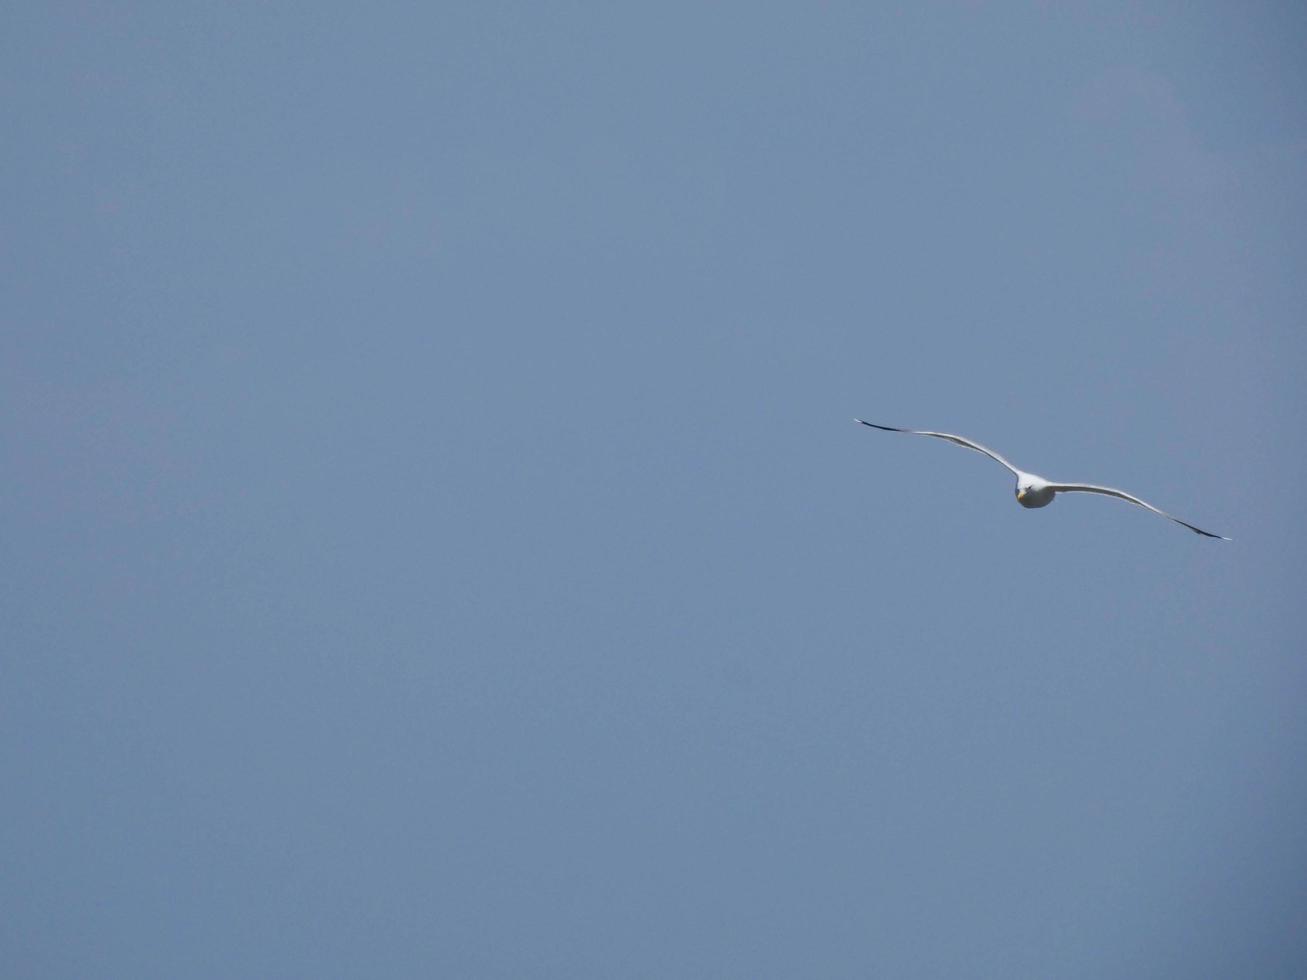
[
  {"x": 1112, "y": 492},
  {"x": 966, "y": 443}
]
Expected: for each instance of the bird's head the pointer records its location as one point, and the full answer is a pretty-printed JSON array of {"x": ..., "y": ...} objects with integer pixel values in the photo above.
[{"x": 1032, "y": 491}]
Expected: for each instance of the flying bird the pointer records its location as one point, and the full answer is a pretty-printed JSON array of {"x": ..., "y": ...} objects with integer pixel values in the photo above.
[{"x": 1035, "y": 491}]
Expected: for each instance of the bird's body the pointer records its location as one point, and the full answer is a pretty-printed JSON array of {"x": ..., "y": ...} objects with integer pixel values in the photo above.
[{"x": 1034, "y": 491}]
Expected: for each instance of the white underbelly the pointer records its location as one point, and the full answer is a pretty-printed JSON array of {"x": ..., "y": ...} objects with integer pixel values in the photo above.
[{"x": 1041, "y": 497}]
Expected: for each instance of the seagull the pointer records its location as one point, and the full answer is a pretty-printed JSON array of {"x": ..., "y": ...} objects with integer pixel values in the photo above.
[{"x": 1035, "y": 491}]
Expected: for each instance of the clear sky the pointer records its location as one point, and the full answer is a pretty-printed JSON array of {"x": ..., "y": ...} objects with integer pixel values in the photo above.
[{"x": 436, "y": 541}]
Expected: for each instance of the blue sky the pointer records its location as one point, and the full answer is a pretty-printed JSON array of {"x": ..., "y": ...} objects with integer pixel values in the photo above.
[{"x": 437, "y": 543}]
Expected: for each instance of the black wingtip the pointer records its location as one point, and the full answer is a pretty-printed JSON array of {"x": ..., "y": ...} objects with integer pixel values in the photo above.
[{"x": 883, "y": 428}]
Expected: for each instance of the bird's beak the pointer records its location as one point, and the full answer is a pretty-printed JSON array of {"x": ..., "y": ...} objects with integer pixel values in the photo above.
[{"x": 1021, "y": 493}]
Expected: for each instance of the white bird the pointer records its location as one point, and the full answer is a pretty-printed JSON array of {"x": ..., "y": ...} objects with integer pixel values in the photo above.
[{"x": 1035, "y": 491}]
